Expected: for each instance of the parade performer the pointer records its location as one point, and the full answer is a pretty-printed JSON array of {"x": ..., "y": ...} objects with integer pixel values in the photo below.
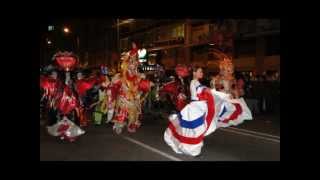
[
  {"x": 82, "y": 86},
  {"x": 50, "y": 86},
  {"x": 176, "y": 88},
  {"x": 63, "y": 98},
  {"x": 182, "y": 71},
  {"x": 104, "y": 108},
  {"x": 225, "y": 81},
  {"x": 208, "y": 110},
  {"x": 131, "y": 89}
]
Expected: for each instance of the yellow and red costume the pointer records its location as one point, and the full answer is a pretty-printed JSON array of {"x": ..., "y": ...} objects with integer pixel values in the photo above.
[{"x": 130, "y": 88}]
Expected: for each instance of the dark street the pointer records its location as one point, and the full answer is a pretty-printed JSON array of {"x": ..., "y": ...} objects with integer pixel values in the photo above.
[{"x": 100, "y": 143}]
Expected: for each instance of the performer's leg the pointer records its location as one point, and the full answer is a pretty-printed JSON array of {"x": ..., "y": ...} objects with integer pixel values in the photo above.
[
  {"x": 119, "y": 121},
  {"x": 133, "y": 120},
  {"x": 52, "y": 116},
  {"x": 110, "y": 115},
  {"x": 72, "y": 116},
  {"x": 118, "y": 126}
]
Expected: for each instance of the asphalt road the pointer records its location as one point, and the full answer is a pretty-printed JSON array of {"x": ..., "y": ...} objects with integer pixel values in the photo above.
[{"x": 100, "y": 143}]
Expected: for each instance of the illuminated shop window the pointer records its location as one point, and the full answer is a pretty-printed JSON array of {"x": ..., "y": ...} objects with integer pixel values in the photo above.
[{"x": 50, "y": 28}]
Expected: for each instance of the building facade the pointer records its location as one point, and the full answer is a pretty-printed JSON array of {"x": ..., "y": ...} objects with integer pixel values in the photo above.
[{"x": 253, "y": 44}]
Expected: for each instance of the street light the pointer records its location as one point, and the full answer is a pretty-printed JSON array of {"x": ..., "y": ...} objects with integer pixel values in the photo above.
[
  {"x": 49, "y": 42},
  {"x": 66, "y": 30}
]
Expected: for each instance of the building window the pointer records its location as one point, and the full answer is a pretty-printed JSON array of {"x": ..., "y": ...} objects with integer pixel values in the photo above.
[
  {"x": 50, "y": 28},
  {"x": 200, "y": 33},
  {"x": 166, "y": 33},
  {"x": 178, "y": 31}
]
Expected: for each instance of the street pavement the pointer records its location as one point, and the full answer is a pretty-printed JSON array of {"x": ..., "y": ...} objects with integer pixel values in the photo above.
[{"x": 256, "y": 140}]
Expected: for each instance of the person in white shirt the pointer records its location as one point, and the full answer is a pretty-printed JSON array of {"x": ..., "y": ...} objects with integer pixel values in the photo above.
[{"x": 197, "y": 75}]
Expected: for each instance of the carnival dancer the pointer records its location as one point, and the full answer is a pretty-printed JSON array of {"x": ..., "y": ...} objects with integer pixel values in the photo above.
[
  {"x": 128, "y": 88},
  {"x": 195, "y": 83},
  {"x": 208, "y": 110},
  {"x": 64, "y": 99},
  {"x": 225, "y": 81},
  {"x": 82, "y": 87},
  {"x": 231, "y": 91},
  {"x": 50, "y": 86},
  {"x": 176, "y": 88},
  {"x": 104, "y": 107},
  {"x": 182, "y": 71}
]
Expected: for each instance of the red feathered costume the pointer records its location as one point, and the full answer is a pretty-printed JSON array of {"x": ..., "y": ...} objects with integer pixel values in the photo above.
[
  {"x": 62, "y": 97},
  {"x": 174, "y": 90}
]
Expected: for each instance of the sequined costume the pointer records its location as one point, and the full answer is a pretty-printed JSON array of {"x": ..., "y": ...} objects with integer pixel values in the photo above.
[{"x": 131, "y": 89}]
